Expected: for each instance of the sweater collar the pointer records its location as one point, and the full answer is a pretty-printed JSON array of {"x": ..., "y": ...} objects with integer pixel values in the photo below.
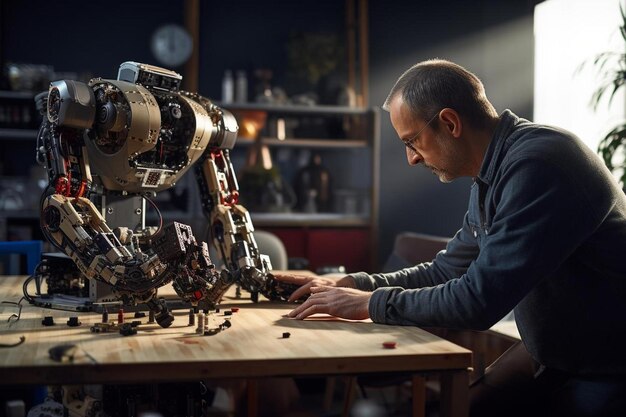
[{"x": 496, "y": 147}]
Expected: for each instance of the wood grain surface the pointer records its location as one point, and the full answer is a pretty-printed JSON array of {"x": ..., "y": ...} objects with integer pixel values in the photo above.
[{"x": 253, "y": 346}]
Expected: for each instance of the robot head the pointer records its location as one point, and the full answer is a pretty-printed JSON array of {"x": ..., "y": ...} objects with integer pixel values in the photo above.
[
  {"x": 149, "y": 76},
  {"x": 141, "y": 132}
]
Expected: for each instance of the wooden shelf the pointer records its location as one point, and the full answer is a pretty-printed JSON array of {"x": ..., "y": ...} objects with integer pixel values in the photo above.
[
  {"x": 296, "y": 109},
  {"x": 19, "y": 214},
  {"x": 306, "y": 143},
  {"x": 309, "y": 220},
  {"x": 18, "y": 134},
  {"x": 316, "y": 236},
  {"x": 18, "y": 95}
]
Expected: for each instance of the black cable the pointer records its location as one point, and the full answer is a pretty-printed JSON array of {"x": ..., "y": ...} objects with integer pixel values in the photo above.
[
  {"x": 19, "y": 308},
  {"x": 40, "y": 144},
  {"x": 8, "y": 345},
  {"x": 158, "y": 213},
  {"x": 27, "y": 296}
]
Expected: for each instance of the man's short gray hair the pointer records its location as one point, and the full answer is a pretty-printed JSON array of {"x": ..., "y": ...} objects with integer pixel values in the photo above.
[{"x": 429, "y": 86}]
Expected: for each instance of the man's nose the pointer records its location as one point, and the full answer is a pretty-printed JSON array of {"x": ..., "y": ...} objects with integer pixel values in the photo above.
[{"x": 413, "y": 158}]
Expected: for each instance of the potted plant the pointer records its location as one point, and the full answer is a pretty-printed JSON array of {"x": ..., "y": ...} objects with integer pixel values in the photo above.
[{"x": 612, "y": 66}]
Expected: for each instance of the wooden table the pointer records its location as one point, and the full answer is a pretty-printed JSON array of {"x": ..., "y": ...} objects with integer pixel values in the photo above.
[{"x": 253, "y": 347}]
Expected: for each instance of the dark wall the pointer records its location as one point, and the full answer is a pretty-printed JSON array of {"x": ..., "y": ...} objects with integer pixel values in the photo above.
[
  {"x": 249, "y": 34},
  {"x": 83, "y": 36},
  {"x": 95, "y": 37},
  {"x": 491, "y": 38}
]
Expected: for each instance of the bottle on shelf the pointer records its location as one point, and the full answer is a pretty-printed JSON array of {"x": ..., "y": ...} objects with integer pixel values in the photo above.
[
  {"x": 228, "y": 87},
  {"x": 241, "y": 87},
  {"x": 314, "y": 177}
]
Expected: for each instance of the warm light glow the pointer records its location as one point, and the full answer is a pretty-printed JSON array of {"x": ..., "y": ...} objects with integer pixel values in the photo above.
[{"x": 266, "y": 158}]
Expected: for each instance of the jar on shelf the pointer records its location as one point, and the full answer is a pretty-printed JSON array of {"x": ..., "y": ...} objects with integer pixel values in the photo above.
[{"x": 313, "y": 186}]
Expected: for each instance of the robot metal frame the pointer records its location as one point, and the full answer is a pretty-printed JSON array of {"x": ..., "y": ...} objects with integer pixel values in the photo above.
[{"x": 137, "y": 136}]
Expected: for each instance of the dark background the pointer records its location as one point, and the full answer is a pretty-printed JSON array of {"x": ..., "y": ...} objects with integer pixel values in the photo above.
[{"x": 494, "y": 39}]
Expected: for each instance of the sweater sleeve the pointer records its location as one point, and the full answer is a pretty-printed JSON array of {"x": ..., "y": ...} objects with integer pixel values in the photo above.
[
  {"x": 448, "y": 264},
  {"x": 541, "y": 217}
]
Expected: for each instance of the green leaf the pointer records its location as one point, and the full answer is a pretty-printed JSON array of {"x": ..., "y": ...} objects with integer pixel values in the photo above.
[
  {"x": 612, "y": 80},
  {"x": 610, "y": 144}
]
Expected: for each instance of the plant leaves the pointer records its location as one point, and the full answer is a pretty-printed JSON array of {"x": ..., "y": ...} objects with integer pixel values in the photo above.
[{"x": 609, "y": 145}]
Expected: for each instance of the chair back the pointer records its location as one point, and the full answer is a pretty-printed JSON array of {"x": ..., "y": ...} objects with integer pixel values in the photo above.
[
  {"x": 412, "y": 248},
  {"x": 271, "y": 245}
]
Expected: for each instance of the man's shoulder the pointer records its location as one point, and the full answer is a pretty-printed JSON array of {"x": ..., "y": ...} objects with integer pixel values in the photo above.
[{"x": 548, "y": 143}]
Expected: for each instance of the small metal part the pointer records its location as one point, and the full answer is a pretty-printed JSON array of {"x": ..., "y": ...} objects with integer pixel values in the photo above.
[
  {"x": 200, "y": 328},
  {"x": 212, "y": 332},
  {"x": 126, "y": 329},
  {"x": 286, "y": 335},
  {"x": 103, "y": 327},
  {"x": 73, "y": 322},
  {"x": 48, "y": 321}
]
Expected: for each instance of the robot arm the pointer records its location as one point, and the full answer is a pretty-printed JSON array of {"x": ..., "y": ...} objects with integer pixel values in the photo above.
[{"x": 230, "y": 224}]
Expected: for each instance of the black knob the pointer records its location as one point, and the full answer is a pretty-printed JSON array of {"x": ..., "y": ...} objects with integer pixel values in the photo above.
[
  {"x": 73, "y": 322},
  {"x": 165, "y": 319}
]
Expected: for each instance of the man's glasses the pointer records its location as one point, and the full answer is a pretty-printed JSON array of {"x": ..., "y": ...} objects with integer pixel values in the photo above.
[{"x": 409, "y": 142}]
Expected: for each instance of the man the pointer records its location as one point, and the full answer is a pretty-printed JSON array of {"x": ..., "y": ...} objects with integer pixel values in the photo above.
[{"x": 544, "y": 235}]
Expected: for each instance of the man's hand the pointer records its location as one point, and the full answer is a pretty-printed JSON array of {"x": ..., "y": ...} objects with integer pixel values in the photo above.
[
  {"x": 347, "y": 303},
  {"x": 307, "y": 282}
]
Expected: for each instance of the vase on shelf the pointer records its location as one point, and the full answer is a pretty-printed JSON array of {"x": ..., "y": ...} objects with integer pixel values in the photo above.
[{"x": 313, "y": 187}]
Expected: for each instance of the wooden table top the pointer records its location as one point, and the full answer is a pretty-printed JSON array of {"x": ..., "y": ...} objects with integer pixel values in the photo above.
[{"x": 253, "y": 346}]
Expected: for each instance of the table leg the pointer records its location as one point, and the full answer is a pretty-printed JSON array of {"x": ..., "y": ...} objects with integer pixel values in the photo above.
[
  {"x": 418, "y": 388},
  {"x": 455, "y": 394},
  {"x": 351, "y": 387},
  {"x": 329, "y": 392},
  {"x": 253, "y": 397}
]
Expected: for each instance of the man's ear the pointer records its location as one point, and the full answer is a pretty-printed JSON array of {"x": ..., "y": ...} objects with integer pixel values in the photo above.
[{"x": 451, "y": 121}]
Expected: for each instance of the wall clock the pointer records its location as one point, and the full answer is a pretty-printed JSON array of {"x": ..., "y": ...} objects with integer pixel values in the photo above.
[{"x": 171, "y": 45}]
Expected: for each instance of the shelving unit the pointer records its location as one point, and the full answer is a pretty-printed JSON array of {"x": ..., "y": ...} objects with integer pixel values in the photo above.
[
  {"x": 18, "y": 134},
  {"x": 349, "y": 141},
  {"x": 19, "y": 122},
  {"x": 306, "y": 143},
  {"x": 346, "y": 138}
]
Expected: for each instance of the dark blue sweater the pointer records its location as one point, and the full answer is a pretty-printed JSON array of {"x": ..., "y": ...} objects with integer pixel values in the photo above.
[{"x": 545, "y": 234}]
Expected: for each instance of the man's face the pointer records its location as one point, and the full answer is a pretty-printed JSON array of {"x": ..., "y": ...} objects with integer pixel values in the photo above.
[{"x": 435, "y": 148}]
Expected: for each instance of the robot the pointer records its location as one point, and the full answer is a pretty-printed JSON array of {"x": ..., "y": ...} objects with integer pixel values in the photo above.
[{"x": 134, "y": 137}]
